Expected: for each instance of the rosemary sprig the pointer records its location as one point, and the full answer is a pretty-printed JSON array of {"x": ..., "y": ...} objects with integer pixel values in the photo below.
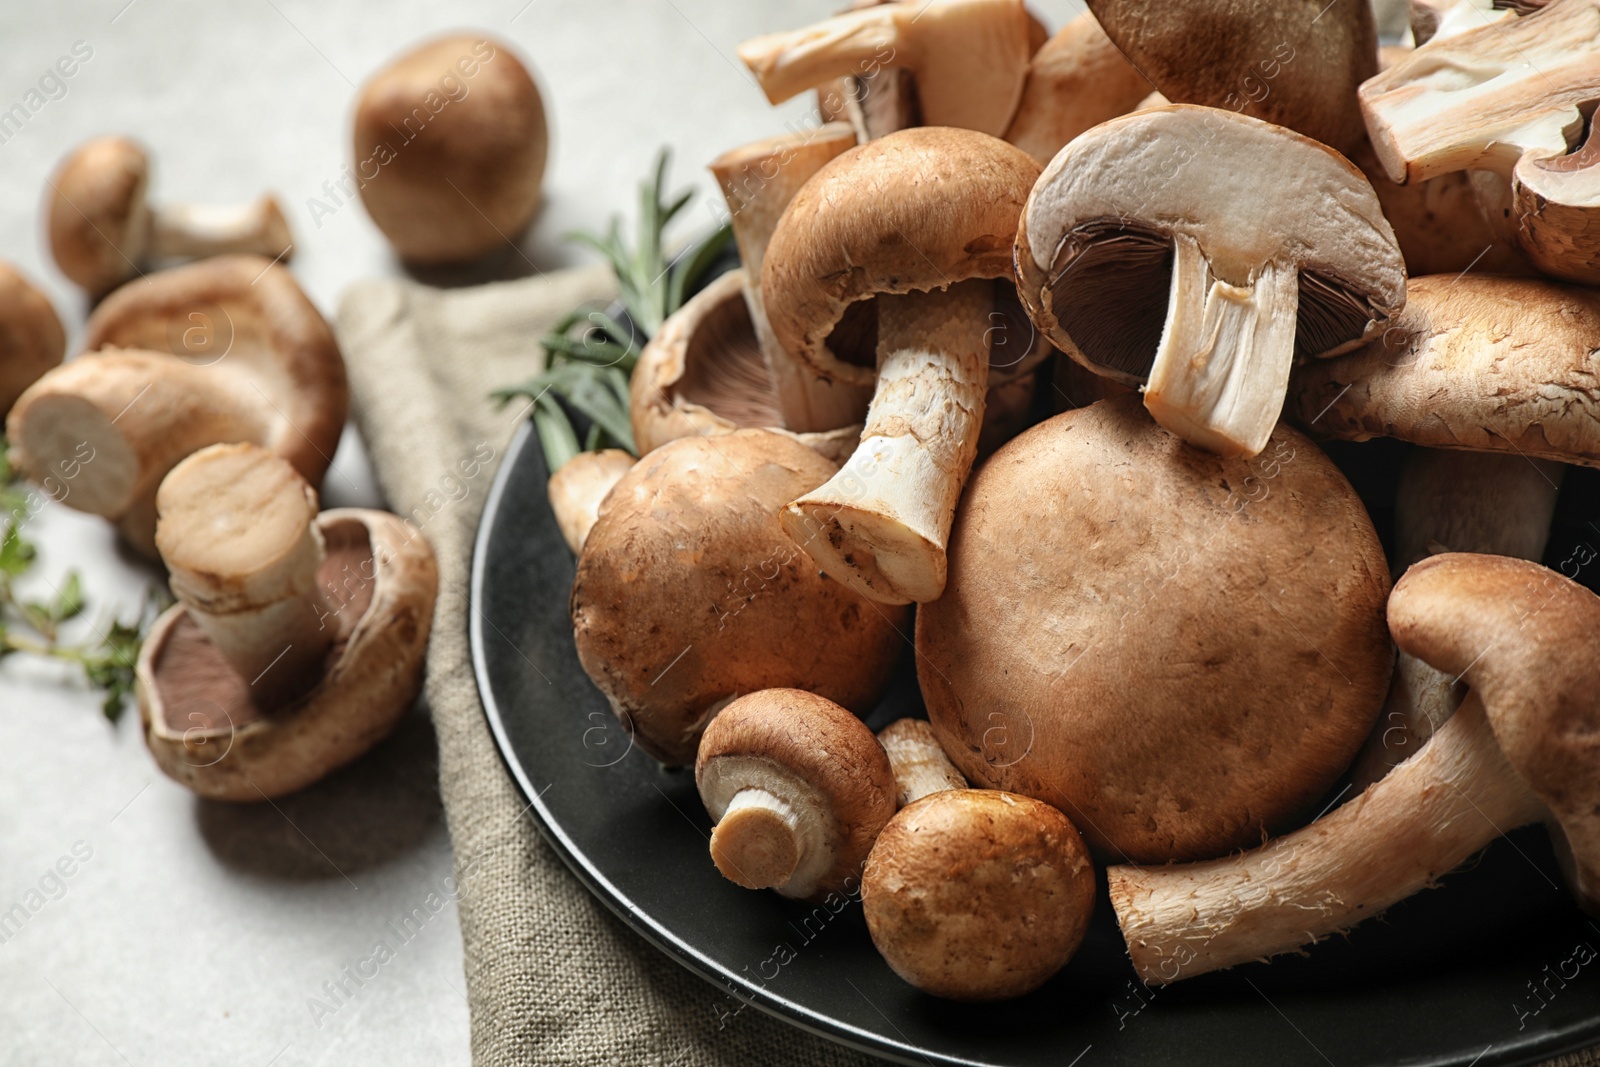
[
  {"x": 33, "y": 627},
  {"x": 589, "y": 353}
]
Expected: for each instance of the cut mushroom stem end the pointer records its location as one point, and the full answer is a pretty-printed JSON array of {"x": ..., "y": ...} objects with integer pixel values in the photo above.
[
  {"x": 760, "y": 840},
  {"x": 196, "y": 231}
]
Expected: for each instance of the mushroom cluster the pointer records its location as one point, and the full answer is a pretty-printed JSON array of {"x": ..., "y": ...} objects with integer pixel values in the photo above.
[{"x": 1156, "y": 629}]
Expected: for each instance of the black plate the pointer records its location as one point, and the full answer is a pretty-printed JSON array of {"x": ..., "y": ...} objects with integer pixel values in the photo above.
[{"x": 1497, "y": 967}]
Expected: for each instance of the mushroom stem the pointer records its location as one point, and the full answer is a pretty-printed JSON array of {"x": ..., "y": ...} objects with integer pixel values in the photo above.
[
  {"x": 238, "y": 533},
  {"x": 195, "y": 231},
  {"x": 789, "y": 62},
  {"x": 881, "y": 523},
  {"x": 758, "y": 181},
  {"x": 1221, "y": 371},
  {"x": 919, "y": 763},
  {"x": 578, "y": 487},
  {"x": 758, "y": 842},
  {"x": 1423, "y": 820}
]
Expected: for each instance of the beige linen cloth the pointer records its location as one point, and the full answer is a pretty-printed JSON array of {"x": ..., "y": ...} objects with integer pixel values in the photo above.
[{"x": 552, "y": 976}]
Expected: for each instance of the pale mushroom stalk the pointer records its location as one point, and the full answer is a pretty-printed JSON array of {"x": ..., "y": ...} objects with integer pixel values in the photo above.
[
  {"x": 919, "y": 763},
  {"x": 876, "y": 101},
  {"x": 758, "y": 181},
  {"x": 578, "y": 487},
  {"x": 195, "y": 231},
  {"x": 882, "y": 522}
]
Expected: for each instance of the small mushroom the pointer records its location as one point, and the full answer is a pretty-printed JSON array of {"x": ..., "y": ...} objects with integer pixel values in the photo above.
[
  {"x": 1103, "y": 573},
  {"x": 1520, "y": 750},
  {"x": 577, "y": 489},
  {"x": 226, "y": 350},
  {"x": 103, "y": 231},
  {"x": 1165, "y": 208},
  {"x": 1077, "y": 80},
  {"x": 920, "y": 765},
  {"x": 297, "y": 641},
  {"x": 450, "y": 144},
  {"x": 688, "y": 595},
  {"x": 798, "y": 789},
  {"x": 32, "y": 340},
  {"x": 880, "y": 271},
  {"x": 968, "y": 58},
  {"x": 974, "y": 894}
]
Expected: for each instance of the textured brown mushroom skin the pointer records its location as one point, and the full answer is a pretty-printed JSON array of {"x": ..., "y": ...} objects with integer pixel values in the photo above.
[
  {"x": 1077, "y": 78},
  {"x": 825, "y": 745},
  {"x": 450, "y": 144},
  {"x": 975, "y": 894},
  {"x": 688, "y": 593},
  {"x": 32, "y": 339},
  {"x": 98, "y": 220},
  {"x": 1178, "y": 650},
  {"x": 1480, "y": 363},
  {"x": 368, "y": 687}
]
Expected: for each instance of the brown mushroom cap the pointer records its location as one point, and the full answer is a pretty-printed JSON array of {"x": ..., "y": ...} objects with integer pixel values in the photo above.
[
  {"x": 208, "y": 728},
  {"x": 1481, "y": 363},
  {"x": 975, "y": 894},
  {"x": 99, "y": 221},
  {"x": 230, "y": 350},
  {"x": 1178, "y": 650},
  {"x": 1296, "y": 63},
  {"x": 450, "y": 144},
  {"x": 31, "y": 337},
  {"x": 1077, "y": 79},
  {"x": 689, "y": 595},
  {"x": 828, "y": 791},
  {"x": 1556, "y": 203}
]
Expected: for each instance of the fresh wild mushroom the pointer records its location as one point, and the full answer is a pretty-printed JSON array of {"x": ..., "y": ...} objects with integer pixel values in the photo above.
[
  {"x": 1103, "y": 573},
  {"x": 920, "y": 765},
  {"x": 32, "y": 340},
  {"x": 875, "y": 99},
  {"x": 103, "y": 231},
  {"x": 881, "y": 270},
  {"x": 798, "y": 789},
  {"x": 577, "y": 489},
  {"x": 1077, "y": 79},
  {"x": 974, "y": 894},
  {"x": 1520, "y": 750},
  {"x": 450, "y": 145},
  {"x": 297, "y": 641},
  {"x": 1261, "y": 244},
  {"x": 225, "y": 350},
  {"x": 688, "y": 595},
  {"x": 968, "y": 58}
]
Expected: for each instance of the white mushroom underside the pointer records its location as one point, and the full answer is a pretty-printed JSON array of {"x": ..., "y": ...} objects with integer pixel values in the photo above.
[{"x": 767, "y": 784}]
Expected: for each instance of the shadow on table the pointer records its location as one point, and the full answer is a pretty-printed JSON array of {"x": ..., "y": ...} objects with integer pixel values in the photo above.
[{"x": 379, "y": 807}]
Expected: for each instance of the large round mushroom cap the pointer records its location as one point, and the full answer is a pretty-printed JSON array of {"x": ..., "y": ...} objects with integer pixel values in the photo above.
[
  {"x": 450, "y": 144},
  {"x": 688, "y": 594},
  {"x": 32, "y": 339},
  {"x": 99, "y": 221},
  {"x": 975, "y": 894},
  {"x": 1179, "y": 651}
]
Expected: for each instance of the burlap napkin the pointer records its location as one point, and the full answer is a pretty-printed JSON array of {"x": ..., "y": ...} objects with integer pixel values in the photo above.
[{"x": 552, "y": 977}]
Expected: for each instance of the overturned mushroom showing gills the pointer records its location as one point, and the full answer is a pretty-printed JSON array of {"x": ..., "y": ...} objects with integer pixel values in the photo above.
[
  {"x": 1519, "y": 750},
  {"x": 32, "y": 340},
  {"x": 920, "y": 765},
  {"x": 1262, "y": 244},
  {"x": 688, "y": 552},
  {"x": 449, "y": 149},
  {"x": 103, "y": 231},
  {"x": 798, "y": 788},
  {"x": 297, "y": 641},
  {"x": 974, "y": 894},
  {"x": 578, "y": 488},
  {"x": 898, "y": 239},
  {"x": 1077, "y": 80},
  {"x": 226, "y": 350},
  {"x": 969, "y": 58}
]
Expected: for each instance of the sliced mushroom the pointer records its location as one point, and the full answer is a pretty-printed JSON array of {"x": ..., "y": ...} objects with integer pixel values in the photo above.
[
  {"x": 798, "y": 789},
  {"x": 226, "y": 350},
  {"x": 920, "y": 765},
  {"x": 297, "y": 641},
  {"x": 578, "y": 487},
  {"x": 688, "y": 595},
  {"x": 978, "y": 895},
  {"x": 969, "y": 58},
  {"x": 1168, "y": 207},
  {"x": 103, "y": 231},
  {"x": 1077, "y": 80},
  {"x": 1095, "y": 546},
  {"x": 917, "y": 220},
  {"x": 32, "y": 340},
  {"x": 1518, "y": 751},
  {"x": 1443, "y": 19},
  {"x": 450, "y": 144}
]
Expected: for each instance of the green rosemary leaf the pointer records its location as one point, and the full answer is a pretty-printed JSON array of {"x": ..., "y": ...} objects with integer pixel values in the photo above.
[{"x": 556, "y": 435}]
